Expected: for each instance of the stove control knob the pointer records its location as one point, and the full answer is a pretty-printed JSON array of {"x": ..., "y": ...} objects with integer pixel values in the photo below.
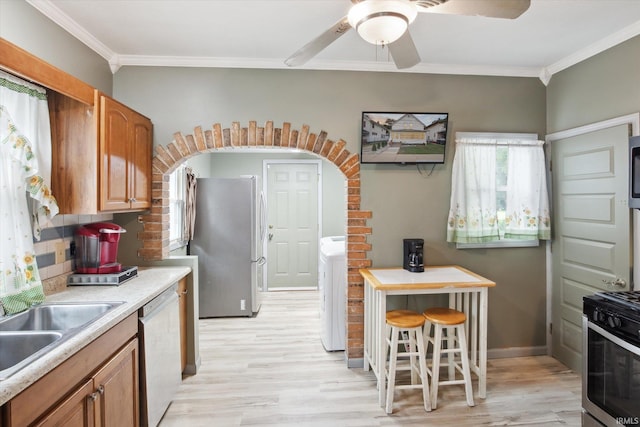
[
  {"x": 614, "y": 321},
  {"x": 595, "y": 315}
]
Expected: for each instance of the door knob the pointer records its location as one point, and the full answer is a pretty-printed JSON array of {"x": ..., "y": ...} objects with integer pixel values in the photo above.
[
  {"x": 270, "y": 236},
  {"x": 616, "y": 283}
]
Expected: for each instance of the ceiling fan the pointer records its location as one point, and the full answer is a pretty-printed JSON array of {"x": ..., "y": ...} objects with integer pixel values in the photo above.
[{"x": 386, "y": 22}]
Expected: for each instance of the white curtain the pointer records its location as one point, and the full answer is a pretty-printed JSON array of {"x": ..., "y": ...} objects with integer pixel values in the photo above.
[
  {"x": 27, "y": 104},
  {"x": 527, "y": 210},
  {"x": 20, "y": 178},
  {"x": 473, "y": 213}
]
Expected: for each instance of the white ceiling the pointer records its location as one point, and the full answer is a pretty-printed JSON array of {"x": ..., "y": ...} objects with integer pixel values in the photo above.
[{"x": 551, "y": 36}]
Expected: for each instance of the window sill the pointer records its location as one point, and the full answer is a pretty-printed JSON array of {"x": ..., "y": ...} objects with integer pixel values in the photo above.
[
  {"x": 500, "y": 244},
  {"x": 176, "y": 245}
]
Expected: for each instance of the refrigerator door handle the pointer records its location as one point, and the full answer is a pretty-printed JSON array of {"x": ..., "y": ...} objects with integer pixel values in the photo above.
[
  {"x": 261, "y": 261},
  {"x": 263, "y": 216}
]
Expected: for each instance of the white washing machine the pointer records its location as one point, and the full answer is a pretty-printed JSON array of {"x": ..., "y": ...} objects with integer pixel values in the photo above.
[{"x": 332, "y": 279}]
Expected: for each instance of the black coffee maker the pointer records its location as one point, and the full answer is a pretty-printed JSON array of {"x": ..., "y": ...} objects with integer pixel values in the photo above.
[{"x": 413, "y": 255}]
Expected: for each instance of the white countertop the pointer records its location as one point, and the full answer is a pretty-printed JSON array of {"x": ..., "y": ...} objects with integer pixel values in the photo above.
[
  {"x": 136, "y": 292},
  {"x": 430, "y": 275},
  {"x": 434, "y": 277}
]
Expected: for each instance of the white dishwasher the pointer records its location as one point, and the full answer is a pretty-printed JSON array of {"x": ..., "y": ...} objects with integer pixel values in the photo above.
[{"x": 160, "y": 376}]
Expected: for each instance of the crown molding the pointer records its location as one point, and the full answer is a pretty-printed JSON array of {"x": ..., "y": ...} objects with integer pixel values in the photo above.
[
  {"x": 51, "y": 11},
  {"x": 594, "y": 49},
  {"x": 115, "y": 60},
  {"x": 375, "y": 66}
]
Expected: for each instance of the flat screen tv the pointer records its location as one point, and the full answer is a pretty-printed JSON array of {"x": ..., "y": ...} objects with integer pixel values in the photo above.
[{"x": 403, "y": 138}]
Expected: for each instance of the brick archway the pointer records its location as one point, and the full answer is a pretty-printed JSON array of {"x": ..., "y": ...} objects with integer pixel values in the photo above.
[{"x": 155, "y": 233}]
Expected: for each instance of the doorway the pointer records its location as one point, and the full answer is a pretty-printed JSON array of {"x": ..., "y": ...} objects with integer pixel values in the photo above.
[
  {"x": 240, "y": 139},
  {"x": 293, "y": 192}
]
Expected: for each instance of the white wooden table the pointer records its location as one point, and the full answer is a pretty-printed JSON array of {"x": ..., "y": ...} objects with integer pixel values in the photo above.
[{"x": 468, "y": 292}]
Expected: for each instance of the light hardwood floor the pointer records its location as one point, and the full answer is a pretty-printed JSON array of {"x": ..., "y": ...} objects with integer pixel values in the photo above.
[{"x": 272, "y": 370}]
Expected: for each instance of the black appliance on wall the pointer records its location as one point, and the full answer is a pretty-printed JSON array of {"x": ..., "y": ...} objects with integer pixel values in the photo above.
[
  {"x": 634, "y": 172},
  {"x": 413, "y": 258},
  {"x": 611, "y": 359}
]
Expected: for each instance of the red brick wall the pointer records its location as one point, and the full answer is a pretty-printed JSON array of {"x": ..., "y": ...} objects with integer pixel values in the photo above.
[{"x": 155, "y": 234}]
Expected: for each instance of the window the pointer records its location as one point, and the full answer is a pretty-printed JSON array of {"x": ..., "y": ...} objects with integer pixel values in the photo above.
[
  {"x": 498, "y": 191},
  {"x": 177, "y": 204}
]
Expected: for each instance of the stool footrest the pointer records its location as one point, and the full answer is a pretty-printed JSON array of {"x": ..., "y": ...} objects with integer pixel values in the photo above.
[{"x": 452, "y": 382}]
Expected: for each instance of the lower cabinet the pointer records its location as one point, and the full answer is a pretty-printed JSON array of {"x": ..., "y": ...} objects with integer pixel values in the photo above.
[
  {"x": 116, "y": 384},
  {"x": 96, "y": 387}
]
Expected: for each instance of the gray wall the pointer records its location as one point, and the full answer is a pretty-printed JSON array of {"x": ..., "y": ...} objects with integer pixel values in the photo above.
[
  {"x": 24, "y": 26},
  {"x": 599, "y": 88},
  {"x": 406, "y": 202}
]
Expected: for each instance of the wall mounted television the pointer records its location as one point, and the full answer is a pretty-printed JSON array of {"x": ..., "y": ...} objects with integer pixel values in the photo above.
[{"x": 403, "y": 138}]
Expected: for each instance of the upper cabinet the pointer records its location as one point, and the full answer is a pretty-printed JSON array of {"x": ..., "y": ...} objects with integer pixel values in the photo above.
[
  {"x": 101, "y": 156},
  {"x": 125, "y": 157},
  {"x": 101, "y": 149}
]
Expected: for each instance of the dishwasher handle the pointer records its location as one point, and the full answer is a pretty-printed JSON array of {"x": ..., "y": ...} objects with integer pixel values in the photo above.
[{"x": 159, "y": 302}]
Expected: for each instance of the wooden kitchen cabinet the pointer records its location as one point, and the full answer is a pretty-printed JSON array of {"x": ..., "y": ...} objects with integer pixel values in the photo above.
[
  {"x": 95, "y": 387},
  {"x": 125, "y": 152},
  {"x": 101, "y": 155},
  {"x": 110, "y": 398},
  {"x": 76, "y": 411},
  {"x": 116, "y": 385}
]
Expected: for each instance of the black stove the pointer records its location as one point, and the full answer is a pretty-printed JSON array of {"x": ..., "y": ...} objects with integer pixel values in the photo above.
[
  {"x": 616, "y": 312},
  {"x": 611, "y": 359},
  {"x": 629, "y": 299}
]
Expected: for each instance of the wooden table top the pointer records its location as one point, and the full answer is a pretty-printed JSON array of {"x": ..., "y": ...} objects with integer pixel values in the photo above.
[{"x": 433, "y": 277}]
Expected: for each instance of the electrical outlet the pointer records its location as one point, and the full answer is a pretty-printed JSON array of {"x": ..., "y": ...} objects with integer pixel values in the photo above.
[
  {"x": 60, "y": 257},
  {"x": 243, "y": 304}
]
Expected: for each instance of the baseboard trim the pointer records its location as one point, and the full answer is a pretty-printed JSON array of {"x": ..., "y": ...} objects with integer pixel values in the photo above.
[
  {"x": 502, "y": 353},
  {"x": 355, "y": 363}
]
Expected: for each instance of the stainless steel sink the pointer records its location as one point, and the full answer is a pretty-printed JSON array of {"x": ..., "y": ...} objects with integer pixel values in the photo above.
[
  {"x": 55, "y": 317},
  {"x": 17, "y": 347},
  {"x": 27, "y": 336}
]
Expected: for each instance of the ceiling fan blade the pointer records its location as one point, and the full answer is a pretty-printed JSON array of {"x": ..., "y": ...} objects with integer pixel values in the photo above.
[
  {"x": 507, "y": 9},
  {"x": 404, "y": 52},
  {"x": 316, "y": 45}
]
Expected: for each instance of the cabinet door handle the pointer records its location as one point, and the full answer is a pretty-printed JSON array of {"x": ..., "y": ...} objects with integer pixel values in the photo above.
[
  {"x": 92, "y": 397},
  {"x": 100, "y": 389}
]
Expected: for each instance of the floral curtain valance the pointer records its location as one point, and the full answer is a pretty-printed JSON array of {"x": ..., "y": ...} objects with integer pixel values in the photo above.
[{"x": 474, "y": 214}]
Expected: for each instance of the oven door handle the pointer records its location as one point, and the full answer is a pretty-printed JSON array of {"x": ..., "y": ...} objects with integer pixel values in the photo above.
[{"x": 614, "y": 339}]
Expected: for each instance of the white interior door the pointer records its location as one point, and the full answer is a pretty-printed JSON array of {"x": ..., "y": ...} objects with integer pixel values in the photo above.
[
  {"x": 591, "y": 246},
  {"x": 292, "y": 225}
]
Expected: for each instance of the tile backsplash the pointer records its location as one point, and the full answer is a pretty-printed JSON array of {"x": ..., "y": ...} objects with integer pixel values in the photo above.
[{"x": 60, "y": 230}]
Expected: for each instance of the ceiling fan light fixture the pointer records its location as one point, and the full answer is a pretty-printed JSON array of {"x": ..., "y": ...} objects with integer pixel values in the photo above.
[{"x": 382, "y": 21}]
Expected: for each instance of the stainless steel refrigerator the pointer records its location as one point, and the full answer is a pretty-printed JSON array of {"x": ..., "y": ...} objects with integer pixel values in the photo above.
[{"x": 228, "y": 237}]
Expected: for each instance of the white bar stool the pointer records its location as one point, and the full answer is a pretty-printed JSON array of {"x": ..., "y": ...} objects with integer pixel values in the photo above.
[
  {"x": 405, "y": 327},
  {"x": 451, "y": 321}
]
